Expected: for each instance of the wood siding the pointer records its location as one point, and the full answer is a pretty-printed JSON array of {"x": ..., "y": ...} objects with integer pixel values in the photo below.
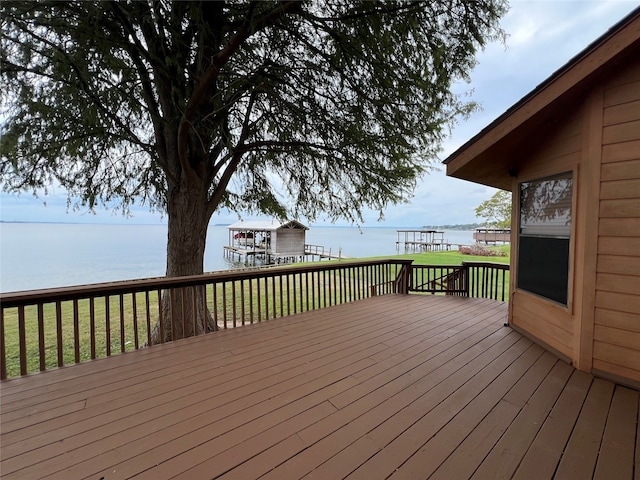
[
  {"x": 616, "y": 343},
  {"x": 289, "y": 241},
  {"x": 544, "y": 320},
  {"x": 559, "y": 151},
  {"x": 585, "y": 118}
]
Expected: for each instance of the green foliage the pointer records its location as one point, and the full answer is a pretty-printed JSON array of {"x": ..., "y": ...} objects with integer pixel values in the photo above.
[
  {"x": 497, "y": 210},
  {"x": 279, "y": 107},
  {"x": 285, "y": 108}
]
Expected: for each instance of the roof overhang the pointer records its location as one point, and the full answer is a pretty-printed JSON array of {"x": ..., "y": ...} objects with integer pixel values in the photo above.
[
  {"x": 491, "y": 157},
  {"x": 264, "y": 225}
]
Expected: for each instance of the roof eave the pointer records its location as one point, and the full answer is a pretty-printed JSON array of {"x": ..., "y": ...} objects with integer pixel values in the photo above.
[{"x": 574, "y": 73}]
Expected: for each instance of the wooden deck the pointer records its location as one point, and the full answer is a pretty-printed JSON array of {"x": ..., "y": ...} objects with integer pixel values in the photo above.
[{"x": 398, "y": 386}]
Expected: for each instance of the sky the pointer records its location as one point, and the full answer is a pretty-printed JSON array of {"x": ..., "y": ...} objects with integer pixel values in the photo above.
[{"x": 542, "y": 36}]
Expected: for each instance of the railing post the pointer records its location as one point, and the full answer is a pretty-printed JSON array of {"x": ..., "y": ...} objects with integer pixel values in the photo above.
[
  {"x": 3, "y": 352},
  {"x": 403, "y": 279},
  {"x": 466, "y": 278},
  {"x": 406, "y": 279}
]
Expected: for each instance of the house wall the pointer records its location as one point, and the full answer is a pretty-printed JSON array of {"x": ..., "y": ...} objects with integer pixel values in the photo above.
[
  {"x": 616, "y": 333},
  {"x": 599, "y": 141},
  {"x": 288, "y": 241},
  {"x": 556, "y": 151}
]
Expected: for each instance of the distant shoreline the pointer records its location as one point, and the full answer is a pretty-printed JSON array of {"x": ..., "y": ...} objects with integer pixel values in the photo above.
[{"x": 459, "y": 227}]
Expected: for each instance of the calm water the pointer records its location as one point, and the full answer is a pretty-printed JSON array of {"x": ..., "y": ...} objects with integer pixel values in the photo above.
[{"x": 53, "y": 255}]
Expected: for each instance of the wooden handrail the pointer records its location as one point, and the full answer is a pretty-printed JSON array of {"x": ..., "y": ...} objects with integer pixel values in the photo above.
[
  {"x": 40, "y": 329},
  {"x": 487, "y": 280},
  {"x": 471, "y": 279},
  {"x": 495, "y": 265},
  {"x": 33, "y": 297}
]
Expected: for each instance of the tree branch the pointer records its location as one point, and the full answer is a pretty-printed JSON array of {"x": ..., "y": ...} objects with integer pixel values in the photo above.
[
  {"x": 286, "y": 146},
  {"x": 230, "y": 169},
  {"x": 206, "y": 84}
]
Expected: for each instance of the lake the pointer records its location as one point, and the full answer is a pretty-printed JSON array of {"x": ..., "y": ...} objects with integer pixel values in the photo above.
[{"x": 44, "y": 255}]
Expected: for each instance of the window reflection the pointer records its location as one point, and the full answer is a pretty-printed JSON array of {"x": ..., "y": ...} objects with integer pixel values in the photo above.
[{"x": 545, "y": 207}]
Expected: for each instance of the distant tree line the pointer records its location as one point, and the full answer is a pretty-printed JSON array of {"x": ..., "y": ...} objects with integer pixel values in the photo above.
[
  {"x": 496, "y": 211},
  {"x": 460, "y": 226}
]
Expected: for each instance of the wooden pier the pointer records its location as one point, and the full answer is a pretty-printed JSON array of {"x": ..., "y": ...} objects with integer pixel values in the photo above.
[
  {"x": 243, "y": 252},
  {"x": 269, "y": 242},
  {"x": 424, "y": 240},
  {"x": 319, "y": 251},
  {"x": 492, "y": 235},
  {"x": 254, "y": 254}
]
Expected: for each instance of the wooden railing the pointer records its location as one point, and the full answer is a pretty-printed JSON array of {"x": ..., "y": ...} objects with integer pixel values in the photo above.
[
  {"x": 471, "y": 279},
  {"x": 42, "y": 329},
  {"x": 487, "y": 280},
  {"x": 445, "y": 279}
]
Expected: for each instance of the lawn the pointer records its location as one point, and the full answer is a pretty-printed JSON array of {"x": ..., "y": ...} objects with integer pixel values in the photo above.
[{"x": 455, "y": 257}]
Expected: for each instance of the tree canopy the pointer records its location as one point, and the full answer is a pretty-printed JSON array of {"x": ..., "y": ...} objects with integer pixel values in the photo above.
[
  {"x": 279, "y": 107},
  {"x": 286, "y": 108},
  {"x": 497, "y": 210}
]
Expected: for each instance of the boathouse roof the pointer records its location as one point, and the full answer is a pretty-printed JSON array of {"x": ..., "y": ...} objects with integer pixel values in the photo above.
[{"x": 266, "y": 225}]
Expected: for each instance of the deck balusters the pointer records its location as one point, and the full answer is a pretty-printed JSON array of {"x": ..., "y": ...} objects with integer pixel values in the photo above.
[
  {"x": 233, "y": 304},
  {"x": 280, "y": 294},
  {"x": 59, "y": 343},
  {"x": 22, "y": 340},
  {"x": 251, "y": 312},
  {"x": 224, "y": 305},
  {"x": 121, "y": 314},
  {"x": 147, "y": 317},
  {"x": 76, "y": 332},
  {"x": 73, "y": 327},
  {"x": 107, "y": 325},
  {"x": 160, "y": 318},
  {"x": 134, "y": 305},
  {"x": 243, "y": 301},
  {"x": 3, "y": 350},
  {"x": 92, "y": 327},
  {"x": 41, "y": 345}
]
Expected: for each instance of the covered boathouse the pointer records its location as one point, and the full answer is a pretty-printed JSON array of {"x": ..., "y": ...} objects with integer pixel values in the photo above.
[
  {"x": 569, "y": 151},
  {"x": 271, "y": 240}
]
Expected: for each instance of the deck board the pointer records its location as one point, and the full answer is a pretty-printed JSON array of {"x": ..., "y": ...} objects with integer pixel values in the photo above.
[
  {"x": 616, "y": 456},
  {"x": 581, "y": 453},
  {"x": 547, "y": 448},
  {"x": 478, "y": 442},
  {"x": 388, "y": 387}
]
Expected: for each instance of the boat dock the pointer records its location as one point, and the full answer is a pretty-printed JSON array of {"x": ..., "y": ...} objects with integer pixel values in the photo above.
[
  {"x": 319, "y": 251},
  {"x": 424, "y": 240},
  {"x": 253, "y": 254},
  {"x": 492, "y": 235}
]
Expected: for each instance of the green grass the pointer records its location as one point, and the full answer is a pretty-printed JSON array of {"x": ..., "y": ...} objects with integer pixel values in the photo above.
[
  {"x": 453, "y": 257},
  {"x": 107, "y": 330}
]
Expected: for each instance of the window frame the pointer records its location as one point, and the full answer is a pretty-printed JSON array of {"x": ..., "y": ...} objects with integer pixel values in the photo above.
[{"x": 544, "y": 241}]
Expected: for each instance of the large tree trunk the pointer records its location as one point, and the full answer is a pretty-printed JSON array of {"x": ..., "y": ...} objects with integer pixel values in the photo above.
[{"x": 182, "y": 314}]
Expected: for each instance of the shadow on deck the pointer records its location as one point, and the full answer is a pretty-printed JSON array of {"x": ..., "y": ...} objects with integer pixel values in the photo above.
[{"x": 399, "y": 386}]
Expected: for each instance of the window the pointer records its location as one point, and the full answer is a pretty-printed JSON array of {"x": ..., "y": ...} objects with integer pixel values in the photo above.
[{"x": 544, "y": 235}]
